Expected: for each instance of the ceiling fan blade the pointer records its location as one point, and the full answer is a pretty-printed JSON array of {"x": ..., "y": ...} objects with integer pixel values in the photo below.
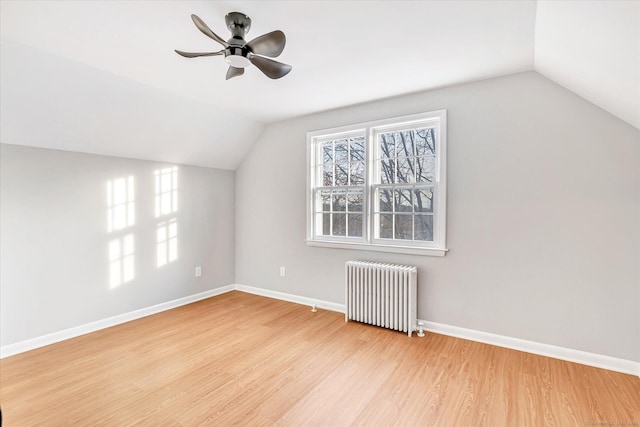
[
  {"x": 270, "y": 44},
  {"x": 207, "y": 31},
  {"x": 272, "y": 69},
  {"x": 234, "y": 72},
  {"x": 196, "y": 54}
]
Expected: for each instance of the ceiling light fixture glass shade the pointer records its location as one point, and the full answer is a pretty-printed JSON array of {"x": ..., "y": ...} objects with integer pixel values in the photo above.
[{"x": 236, "y": 56}]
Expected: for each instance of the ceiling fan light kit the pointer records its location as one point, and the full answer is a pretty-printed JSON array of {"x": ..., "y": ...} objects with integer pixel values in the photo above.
[{"x": 238, "y": 53}]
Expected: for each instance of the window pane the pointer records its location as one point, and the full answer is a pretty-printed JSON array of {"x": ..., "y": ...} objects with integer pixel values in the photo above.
[
  {"x": 327, "y": 174},
  {"x": 339, "y": 201},
  {"x": 405, "y": 170},
  {"x": 387, "y": 146},
  {"x": 404, "y": 143},
  {"x": 424, "y": 228},
  {"x": 327, "y": 152},
  {"x": 342, "y": 153},
  {"x": 354, "y": 202},
  {"x": 325, "y": 196},
  {"x": 357, "y": 173},
  {"x": 426, "y": 169},
  {"x": 357, "y": 149},
  {"x": 403, "y": 227},
  {"x": 319, "y": 226},
  {"x": 403, "y": 201},
  {"x": 423, "y": 200},
  {"x": 385, "y": 200},
  {"x": 342, "y": 174},
  {"x": 425, "y": 142},
  {"x": 387, "y": 171},
  {"x": 355, "y": 225},
  {"x": 326, "y": 224},
  {"x": 339, "y": 224},
  {"x": 386, "y": 226}
]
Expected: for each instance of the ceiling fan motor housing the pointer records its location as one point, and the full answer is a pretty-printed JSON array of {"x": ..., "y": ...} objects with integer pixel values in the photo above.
[
  {"x": 238, "y": 23},
  {"x": 237, "y": 55}
]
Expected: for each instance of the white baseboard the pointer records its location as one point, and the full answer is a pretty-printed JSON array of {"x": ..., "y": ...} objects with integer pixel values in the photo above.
[
  {"x": 571, "y": 355},
  {"x": 325, "y": 305},
  {"x": 556, "y": 352},
  {"x": 30, "y": 344}
]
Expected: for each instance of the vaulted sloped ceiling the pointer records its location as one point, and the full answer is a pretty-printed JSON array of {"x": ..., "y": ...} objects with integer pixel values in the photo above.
[
  {"x": 101, "y": 76},
  {"x": 593, "y": 49}
]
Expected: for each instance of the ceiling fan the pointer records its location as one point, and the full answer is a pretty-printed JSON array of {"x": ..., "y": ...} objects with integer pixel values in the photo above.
[{"x": 238, "y": 53}]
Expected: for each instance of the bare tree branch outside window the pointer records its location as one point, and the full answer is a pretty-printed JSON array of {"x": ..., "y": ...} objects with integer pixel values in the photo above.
[
  {"x": 343, "y": 177},
  {"x": 407, "y": 173}
]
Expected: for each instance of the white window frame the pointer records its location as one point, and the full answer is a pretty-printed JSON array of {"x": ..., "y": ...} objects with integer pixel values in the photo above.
[{"x": 369, "y": 130}]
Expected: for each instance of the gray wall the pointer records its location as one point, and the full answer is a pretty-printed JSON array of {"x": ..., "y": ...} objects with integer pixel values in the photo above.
[
  {"x": 54, "y": 260},
  {"x": 543, "y": 215}
]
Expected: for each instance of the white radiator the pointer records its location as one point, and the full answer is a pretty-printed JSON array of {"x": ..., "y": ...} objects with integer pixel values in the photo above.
[{"x": 381, "y": 294}]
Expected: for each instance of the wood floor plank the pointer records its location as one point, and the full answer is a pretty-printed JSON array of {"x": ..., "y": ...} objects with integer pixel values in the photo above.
[{"x": 244, "y": 359}]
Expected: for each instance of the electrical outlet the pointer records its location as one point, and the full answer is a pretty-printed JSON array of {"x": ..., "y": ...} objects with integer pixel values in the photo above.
[
  {"x": 283, "y": 272},
  {"x": 198, "y": 271}
]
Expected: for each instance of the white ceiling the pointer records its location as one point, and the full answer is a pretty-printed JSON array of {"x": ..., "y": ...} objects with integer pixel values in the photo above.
[{"x": 102, "y": 77}]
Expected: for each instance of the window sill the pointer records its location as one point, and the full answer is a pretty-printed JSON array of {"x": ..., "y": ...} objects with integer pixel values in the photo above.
[{"x": 379, "y": 248}]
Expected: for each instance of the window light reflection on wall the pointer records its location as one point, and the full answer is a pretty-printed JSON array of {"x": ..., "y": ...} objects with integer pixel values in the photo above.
[
  {"x": 167, "y": 240},
  {"x": 166, "y": 186},
  {"x": 120, "y": 217},
  {"x": 166, "y": 206},
  {"x": 120, "y": 200},
  {"x": 121, "y": 263}
]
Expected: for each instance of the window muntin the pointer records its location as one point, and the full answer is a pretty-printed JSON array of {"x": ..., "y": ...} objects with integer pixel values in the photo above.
[{"x": 380, "y": 184}]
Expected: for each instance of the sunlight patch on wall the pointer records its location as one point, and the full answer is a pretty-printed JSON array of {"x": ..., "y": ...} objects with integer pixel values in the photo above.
[
  {"x": 120, "y": 199},
  {"x": 120, "y": 217},
  {"x": 167, "y": 238},
  {"x": 166, "y": 181},
  {"x": 121, "y": 263},
  {"x": 166, "y": 206}
]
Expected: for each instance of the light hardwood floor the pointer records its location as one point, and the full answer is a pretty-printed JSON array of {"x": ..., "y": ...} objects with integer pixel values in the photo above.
[{"x": 249, "y": 360}]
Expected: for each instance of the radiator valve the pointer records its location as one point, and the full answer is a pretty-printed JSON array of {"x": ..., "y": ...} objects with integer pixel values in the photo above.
[{"x": 420, "y": 329}]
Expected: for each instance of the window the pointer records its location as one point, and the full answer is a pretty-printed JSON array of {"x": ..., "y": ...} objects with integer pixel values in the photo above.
[{"x": 379, "y": 185}]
